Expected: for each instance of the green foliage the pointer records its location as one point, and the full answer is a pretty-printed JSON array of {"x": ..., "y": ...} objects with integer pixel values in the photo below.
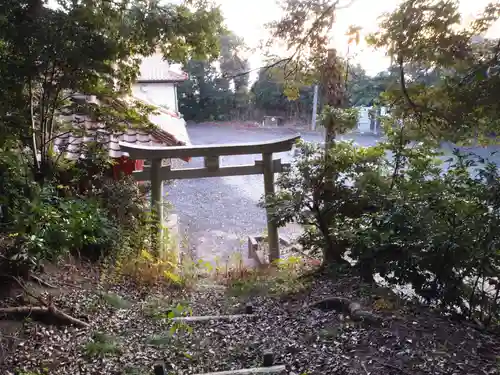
[
  {"x": 272, "y": 95},
  {"x": 402, "y": 218},
  {"x": 437, "y": 234},
  {"x": 43, "y": 223},
  {"x": 160, "y": 341},
  {"x": 281, "y": 280},
  {"x": 205, "y": 96},
  {"x": 144, "y": 268},
  {"x": 93, "y": 48},
  {"x": 158, "y": 310},
  {"x": 126, "y": 205},
  {"x": 211, "y": 94},
  {"x": 326, "y": 197},
  {"x": 446, "y": 72},
  {"x": 52, "y": 56},
  {"x": 305, "y": 28},
  {"x": 91, "y": 216},
  {"x": 16, "y": 187},
  {"x": 50, "y": 227},
  {"x": 102, "y": 345},
  {"x": 70, "y": 225},
  {"x": 364, "y": 90},
  {"x": 342, "y": 119},
  {"x": 116, "y": 301}
]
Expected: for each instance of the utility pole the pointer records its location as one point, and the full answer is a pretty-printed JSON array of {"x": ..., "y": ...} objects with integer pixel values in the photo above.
[{"x": 315, "y": 108}]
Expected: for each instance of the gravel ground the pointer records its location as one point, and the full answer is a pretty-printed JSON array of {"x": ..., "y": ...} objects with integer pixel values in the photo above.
[{"x": 216, "y": 215}]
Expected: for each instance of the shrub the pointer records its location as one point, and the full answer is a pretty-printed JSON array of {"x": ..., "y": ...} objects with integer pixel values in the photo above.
[
  {"x": 45, "y": 221},
  {"x": 48, "y": 227},
  {"x": 402, "y": 218},
  {"x": 77, "y": 208},
  {"x": 16, "y": 185},
  {"x": 148, "y": 270},
  {"x": 281, "y": 280},
  {"x": 126, "y": 205},
  {"x": 439, "y": 236},
  {"x": 102, "y": 345},
  {"x": 327, "y": 198}
]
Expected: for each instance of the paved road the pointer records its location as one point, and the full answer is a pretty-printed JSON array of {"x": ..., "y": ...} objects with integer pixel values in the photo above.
[{"x": 217, "y": 214}]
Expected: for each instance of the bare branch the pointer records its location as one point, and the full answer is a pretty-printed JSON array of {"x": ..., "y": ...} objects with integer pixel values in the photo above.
[
  {"x": 299, "y": 47},
  {"x": 265, "y": 68}
]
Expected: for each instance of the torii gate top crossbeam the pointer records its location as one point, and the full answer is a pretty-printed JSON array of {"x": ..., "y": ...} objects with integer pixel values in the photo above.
[{"x": 154, "y": 152}]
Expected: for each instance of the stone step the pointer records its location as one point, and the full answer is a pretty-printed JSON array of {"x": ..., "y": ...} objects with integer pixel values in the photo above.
[{"x": 250, "y": 371}]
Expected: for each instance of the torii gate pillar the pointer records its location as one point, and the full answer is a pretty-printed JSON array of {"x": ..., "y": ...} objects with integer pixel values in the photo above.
[{"x": 211, "y": 154}]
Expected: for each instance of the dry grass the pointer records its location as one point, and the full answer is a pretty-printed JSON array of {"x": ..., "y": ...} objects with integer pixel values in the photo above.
[{"x": 281, "y": 278}]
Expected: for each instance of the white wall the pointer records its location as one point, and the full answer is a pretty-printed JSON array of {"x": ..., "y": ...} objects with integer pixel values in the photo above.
[{"x": 163, "y": 94}]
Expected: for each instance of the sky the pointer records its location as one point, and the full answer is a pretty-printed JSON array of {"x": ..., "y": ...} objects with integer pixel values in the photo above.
[{"x": 247, "y": 19}]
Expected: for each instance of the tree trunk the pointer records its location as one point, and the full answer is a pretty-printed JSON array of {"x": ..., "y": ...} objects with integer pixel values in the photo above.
[
  {"x": 333, "y": 92},
  {"x": 332, "y": 82},
  {"x": 331, "y": 252}
]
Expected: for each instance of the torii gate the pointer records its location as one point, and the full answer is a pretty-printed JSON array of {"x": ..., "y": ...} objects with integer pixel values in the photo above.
[{"x": 211, "y": 154}]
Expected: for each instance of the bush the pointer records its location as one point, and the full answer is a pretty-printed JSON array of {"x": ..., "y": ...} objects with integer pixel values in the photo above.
[
  {"x": 328, "y": 198},
  {"x": 439, "y": 236},
  {"x": 126, "y": 205},
  {"x": 402, "y": 218},
  {"x": 16, "y": 186},
  {"x": 46, "y": 221},
  {"x": 49, "y": 227},
  {"x": 147, "y": 270}
]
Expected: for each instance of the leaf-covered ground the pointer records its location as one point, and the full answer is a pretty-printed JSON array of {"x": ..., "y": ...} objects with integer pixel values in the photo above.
[{"x": 130, "y": 331}]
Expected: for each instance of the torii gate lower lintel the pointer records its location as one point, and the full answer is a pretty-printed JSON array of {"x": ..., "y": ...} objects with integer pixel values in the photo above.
[{"x": 211, "y": 154}]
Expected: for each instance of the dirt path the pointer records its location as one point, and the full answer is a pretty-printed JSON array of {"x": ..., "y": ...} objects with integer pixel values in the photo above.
[{"x": 131, "y": 330}]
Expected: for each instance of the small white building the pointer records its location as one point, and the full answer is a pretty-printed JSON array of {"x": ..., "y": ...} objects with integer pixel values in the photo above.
[
  {"x": 367, "y": 123},
  {"x": 157, "y": 82},
  {"x": 157, "y": 85}
]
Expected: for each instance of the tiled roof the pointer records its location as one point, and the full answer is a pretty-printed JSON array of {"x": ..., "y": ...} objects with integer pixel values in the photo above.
[
  {"x": 155, "y": 69},
  {"x": 169, "y": 122},
  {"x": 72, "y": 144},
  {"x": 171, "y": 131}
]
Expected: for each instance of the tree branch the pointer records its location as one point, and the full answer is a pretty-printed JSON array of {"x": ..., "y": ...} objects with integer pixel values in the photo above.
[
  {"x": 50, "y": 310},
  {"x": 265, "y": 68},
  {"x": 417, "y": 110},
  {"x": 299, "y": 47},
  {"x": 490, "y": 62},
  {"x": 47, "y": 309},
  {"x": 34, "y": 146},
  {"x": 403, "y": 85}
]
